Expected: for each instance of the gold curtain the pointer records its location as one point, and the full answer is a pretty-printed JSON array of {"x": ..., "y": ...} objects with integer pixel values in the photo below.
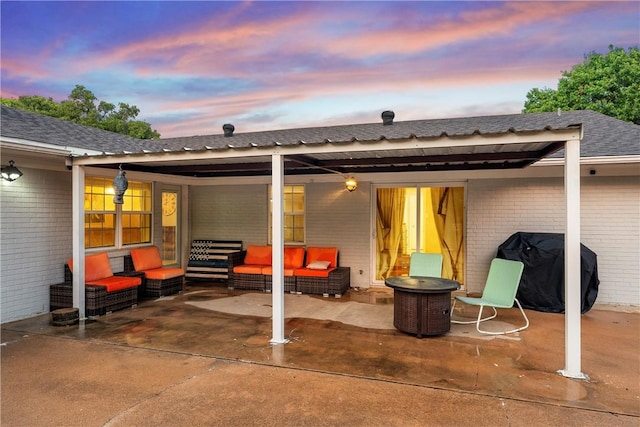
[
  {"x": 448, "y": 212},
  {"x": 389, "y": 218}
]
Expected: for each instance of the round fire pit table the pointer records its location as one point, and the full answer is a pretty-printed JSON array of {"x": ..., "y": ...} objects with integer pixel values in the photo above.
[{"x": 422, "y": 305}]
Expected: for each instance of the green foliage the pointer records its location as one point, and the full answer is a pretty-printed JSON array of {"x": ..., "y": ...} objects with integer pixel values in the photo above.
[
  {"x": 83, "y": 107},
  {"x": 609, "y": 84}
]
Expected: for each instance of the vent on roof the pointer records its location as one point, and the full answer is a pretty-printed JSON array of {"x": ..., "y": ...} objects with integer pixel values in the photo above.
[
  {"x": 387, "y": 117},
  {"x": 228, "y": 129}
]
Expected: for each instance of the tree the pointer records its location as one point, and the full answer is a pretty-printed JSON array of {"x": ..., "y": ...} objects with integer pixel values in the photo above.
[
  {"x": 609, "y": 84},
  {"x": 83, "y": 107}
]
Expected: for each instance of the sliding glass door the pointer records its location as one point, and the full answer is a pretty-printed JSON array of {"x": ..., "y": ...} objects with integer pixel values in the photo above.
[{"x": 418, "y": 219}]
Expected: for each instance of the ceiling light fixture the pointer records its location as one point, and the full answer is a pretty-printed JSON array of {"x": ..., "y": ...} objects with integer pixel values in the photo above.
[
  {"x": 351, "y": 183},
  {"x": 11, "y": 173}
]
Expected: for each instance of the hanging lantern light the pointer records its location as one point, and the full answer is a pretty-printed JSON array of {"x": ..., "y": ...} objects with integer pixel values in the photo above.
[{"x": 120, "y": 185}]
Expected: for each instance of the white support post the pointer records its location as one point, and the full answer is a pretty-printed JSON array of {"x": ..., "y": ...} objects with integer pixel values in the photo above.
[
  {"x": 277, "y": 242},
  {"x": 572, "y": 293},
  {"x": 77, "y": 206}
]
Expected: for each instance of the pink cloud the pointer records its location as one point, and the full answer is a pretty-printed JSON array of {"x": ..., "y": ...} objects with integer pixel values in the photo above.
[
  {"x": 24, "y": 67},
  {"x": 244, "y": 49},
  {"x": 474, "y": 25}
]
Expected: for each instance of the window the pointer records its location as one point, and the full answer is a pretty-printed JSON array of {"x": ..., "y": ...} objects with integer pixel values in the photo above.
[
  {"x": 107, "y": 225},
  {"x": 293, "y": 209}
]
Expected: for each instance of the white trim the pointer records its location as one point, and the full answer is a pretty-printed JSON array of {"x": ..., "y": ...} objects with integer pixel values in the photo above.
[
  {"x": 596, "y": 160},
  {"x": 42, "y": 147}
]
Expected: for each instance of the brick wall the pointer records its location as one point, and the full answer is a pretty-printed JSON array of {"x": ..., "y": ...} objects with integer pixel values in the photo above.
[
  {"x": 610, "y": 227},
  {"x": 35, "y": 213}
]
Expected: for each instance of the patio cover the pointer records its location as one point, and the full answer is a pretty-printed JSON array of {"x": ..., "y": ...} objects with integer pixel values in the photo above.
[{"x": 490, "y": 142}]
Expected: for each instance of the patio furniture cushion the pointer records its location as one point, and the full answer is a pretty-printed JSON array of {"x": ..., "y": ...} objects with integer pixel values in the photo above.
[
  {"x": 258, "y": 255},
  {"x": 96, "y": 266},
  {"x": 323, "y": 254},
  {"x": 315, "y": 267},
  {"x": 146, "y": 258},
  {"x": 97, "y": 272},
  {"x": 163, "y": 273},
  {"x": 248, "y": 269},
  {"x": 293, "y": 258},
  {"x": 116, "y": 283},
  {"x": 269, "y": 271},
  {"x": 309, "y": 272}
]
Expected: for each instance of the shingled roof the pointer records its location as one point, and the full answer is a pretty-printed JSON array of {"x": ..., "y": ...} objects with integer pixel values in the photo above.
[{"x": 602, "y": 135}]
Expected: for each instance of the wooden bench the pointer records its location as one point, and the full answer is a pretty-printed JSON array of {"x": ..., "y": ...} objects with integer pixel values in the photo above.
[{"x": 210, "y": 259}]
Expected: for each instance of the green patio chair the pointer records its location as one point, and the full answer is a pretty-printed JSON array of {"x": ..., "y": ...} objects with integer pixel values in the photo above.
[
  {"x": 499, "y": 292},
  {"x": 425, "y": 264}
]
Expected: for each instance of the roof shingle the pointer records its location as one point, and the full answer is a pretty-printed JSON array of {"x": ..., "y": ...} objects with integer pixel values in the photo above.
[{"x": 603, "y": 135}]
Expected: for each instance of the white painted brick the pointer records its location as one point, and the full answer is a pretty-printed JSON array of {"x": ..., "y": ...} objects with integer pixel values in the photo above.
[
  {"x": 36, "y": 239},
  {"x": 610, "y": 226},
  {"x": 230, "y": 213}
]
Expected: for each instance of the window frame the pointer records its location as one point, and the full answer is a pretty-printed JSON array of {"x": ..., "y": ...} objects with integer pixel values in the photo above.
[
  {"x": 289, "y": 214},
  {"x": 119, "y": 213}
]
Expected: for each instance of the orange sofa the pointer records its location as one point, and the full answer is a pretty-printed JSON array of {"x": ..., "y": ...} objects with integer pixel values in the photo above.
[
  {"x": 104, "y": 291},
  {"x": 159, "y": 280},
  {"x": 293, "y": 259},
  {"x": 319, "y": 274}
]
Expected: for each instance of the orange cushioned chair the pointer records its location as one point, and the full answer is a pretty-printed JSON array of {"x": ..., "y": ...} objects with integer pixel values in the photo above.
[
  {"x": 248, "y": 275},
  {"x": 104, "y": 291},
  {"x": 160, "y": 281}
]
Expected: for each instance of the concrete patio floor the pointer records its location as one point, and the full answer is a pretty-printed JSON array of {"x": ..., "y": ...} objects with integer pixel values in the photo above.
[{"x": 179, "y": 361}]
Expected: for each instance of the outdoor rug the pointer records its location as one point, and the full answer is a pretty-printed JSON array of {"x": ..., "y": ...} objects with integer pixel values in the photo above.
[{"x": 376, "y": 316}]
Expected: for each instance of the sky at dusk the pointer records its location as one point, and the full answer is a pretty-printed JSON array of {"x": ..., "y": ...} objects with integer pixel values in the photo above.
[{"x": 192, "y": 66}]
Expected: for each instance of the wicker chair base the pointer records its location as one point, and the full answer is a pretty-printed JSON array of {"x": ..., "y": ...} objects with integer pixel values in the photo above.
[
  {"x": 98, "y": 301},
  {"x": 160, "y": 288},
  {"x": 312, "y": 285},
  {"x": 422, "y": 313},
  {"x": 289, "y": 284},
  {"x": 337, "y": 283},
  {"x": 247, "y": 281}
]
